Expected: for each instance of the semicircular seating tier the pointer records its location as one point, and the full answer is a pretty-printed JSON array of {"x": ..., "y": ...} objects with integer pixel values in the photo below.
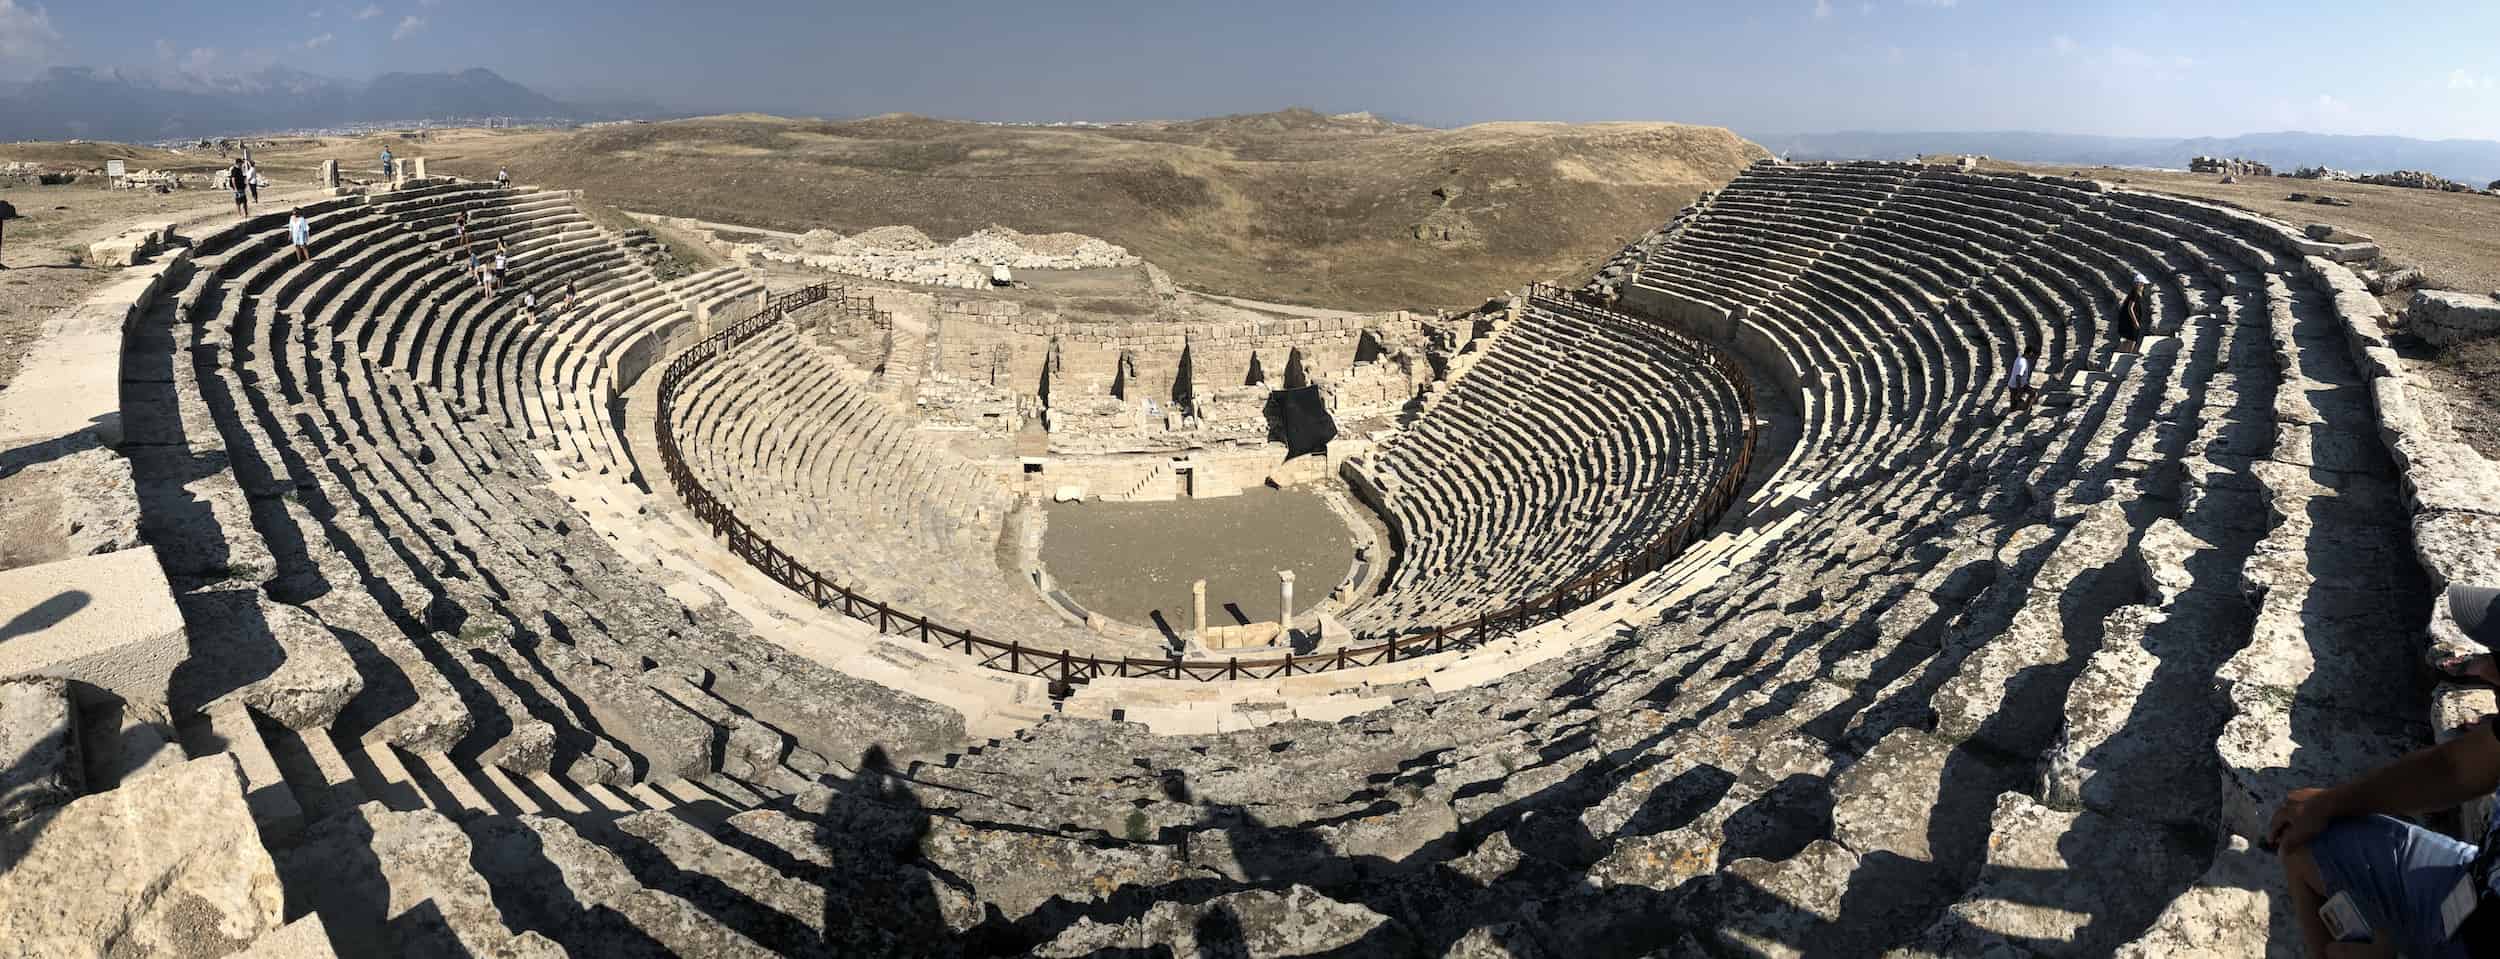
[
  {"x": 801, "y": 445},
  {"x": 1977, "y": 682},
  {"x": 2024, "y": 683},
  {"x": 1575, "y": 439},
  {"x": 349, "y": 458}
]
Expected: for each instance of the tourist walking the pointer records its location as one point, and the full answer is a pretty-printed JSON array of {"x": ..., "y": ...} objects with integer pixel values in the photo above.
[
  {"x": 299, "y": 230},
  {"x": 386, "y": 163},
  {"x": 2018, "y": 383},
  {"x": 251, "y": 175},
  {"x": 503, "y": 178},
  {"x": 7, "y": 213},
  {"x": 242, "y": 191},
  {"x": 460, "y": 228},
  {"x": 2135, "y": 314}
]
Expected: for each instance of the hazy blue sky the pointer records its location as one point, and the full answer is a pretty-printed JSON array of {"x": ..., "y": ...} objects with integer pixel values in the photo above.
[{"x": 2429, "y": 70}]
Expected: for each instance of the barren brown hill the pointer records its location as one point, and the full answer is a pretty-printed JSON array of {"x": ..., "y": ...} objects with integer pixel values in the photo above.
[{"x": 1348, "y": 211}]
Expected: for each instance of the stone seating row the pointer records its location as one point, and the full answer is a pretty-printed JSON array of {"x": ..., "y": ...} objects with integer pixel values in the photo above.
[
  {"x": 388, "y": 510},
  {"x": 803, "y": 446},
  {"x": 1961, "y": 705},
  {"x": 1520, "y": 478}
]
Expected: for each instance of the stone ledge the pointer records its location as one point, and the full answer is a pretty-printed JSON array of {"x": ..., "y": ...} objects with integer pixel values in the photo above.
[
  {"x": 77, "y": 387},
  {"x": 108, "y": 620}
]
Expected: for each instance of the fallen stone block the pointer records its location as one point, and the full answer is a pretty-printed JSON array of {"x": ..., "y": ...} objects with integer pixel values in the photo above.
[
  {"x": 108, "y": 620},
  {"x": 2334, "y": 234},
  {"x": 169, "y": 864},
  {"x": 2446, "y": 318},
  {"x": 2398, "y": 280}
]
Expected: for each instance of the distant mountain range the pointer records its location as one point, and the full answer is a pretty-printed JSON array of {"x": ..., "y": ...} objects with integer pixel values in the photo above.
[
  {"x": 142, "y": 105},
  {"x": 2476, "y": 162}
]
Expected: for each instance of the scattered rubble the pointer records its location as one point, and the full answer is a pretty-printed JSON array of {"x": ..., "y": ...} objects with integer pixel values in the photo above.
[
  {"x": 2232, "y": 165},
  {"x": 905, "y": 255}
]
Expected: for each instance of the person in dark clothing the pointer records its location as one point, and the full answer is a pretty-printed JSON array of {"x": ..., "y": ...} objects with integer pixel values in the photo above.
[
  {"x": 2358, "y": 874},
  {"x": 7, "y": 212},
  {"x": 240, "y": 182},
  {"x": 2135, "y": 314}
]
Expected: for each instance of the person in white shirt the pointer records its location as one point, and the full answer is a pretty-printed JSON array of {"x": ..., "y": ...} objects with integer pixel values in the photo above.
[
  {"x": 299, "y": 231},
  {"x": 2019, "y": 383}
]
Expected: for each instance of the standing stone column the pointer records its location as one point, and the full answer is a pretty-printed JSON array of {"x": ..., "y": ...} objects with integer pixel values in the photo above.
[
  {"x": 330, "y": 174},
  {"x": 1198, "y": 605},
  {"x": 1284, "y": 617}
]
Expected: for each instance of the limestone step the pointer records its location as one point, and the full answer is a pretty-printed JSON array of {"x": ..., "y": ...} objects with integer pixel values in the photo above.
[{"x": 228, "y": 727}]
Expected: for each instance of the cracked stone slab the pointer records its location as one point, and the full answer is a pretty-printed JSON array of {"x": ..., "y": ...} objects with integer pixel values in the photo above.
[
  {"x": 1919, "y": 797},
  {"x": 2239, "y": 909},
  {"x": 2329, "y": 449},
  {"x": 2140, "y": 720},
  {"x": 1297, "y": 921},
  {"x": 2449, "y": 477},
  {"x": 2276, "y": 742},
  {"x": 2172, "y": 561},
  {"x": 2352, "y": 657},
  {"x": 2458, "y": 547},
  {"x": 2061, "y": 883}
]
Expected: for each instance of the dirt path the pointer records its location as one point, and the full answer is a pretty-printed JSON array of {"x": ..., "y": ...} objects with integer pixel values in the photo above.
[{"x": 41, "y": 276}]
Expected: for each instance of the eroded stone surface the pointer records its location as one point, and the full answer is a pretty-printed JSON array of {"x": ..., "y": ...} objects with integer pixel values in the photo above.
[
  {"x": 39, "y": 758},
  {"x": 169, "y": 864},
  {"x": 2046, "y": 888},
  {"x": 1296, "y": 922}
]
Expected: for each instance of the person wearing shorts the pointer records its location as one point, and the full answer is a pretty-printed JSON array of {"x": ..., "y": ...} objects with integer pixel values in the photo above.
[
  {"x": 299, "y": 233},
  {"x": 2359, "y": 874},
  {"x": 236, "y": 180}
]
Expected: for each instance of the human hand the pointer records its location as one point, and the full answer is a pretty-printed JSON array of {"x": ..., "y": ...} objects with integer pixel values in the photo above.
[{"x": 2304, "y": 814}]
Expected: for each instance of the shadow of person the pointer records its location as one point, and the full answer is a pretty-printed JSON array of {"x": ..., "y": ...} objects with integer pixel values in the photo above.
[{"x": 46, "y": 614}]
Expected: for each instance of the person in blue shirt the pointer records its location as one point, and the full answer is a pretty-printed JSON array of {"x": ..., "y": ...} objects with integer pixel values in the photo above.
[{"x": 2359, "y": 874}]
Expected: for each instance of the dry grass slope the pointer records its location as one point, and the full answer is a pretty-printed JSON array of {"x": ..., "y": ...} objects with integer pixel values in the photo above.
[{"x": 1348, "y": 212}]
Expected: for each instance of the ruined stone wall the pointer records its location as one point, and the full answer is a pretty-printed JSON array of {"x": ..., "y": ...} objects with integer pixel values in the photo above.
[{"x": 1003, "y": 344}]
